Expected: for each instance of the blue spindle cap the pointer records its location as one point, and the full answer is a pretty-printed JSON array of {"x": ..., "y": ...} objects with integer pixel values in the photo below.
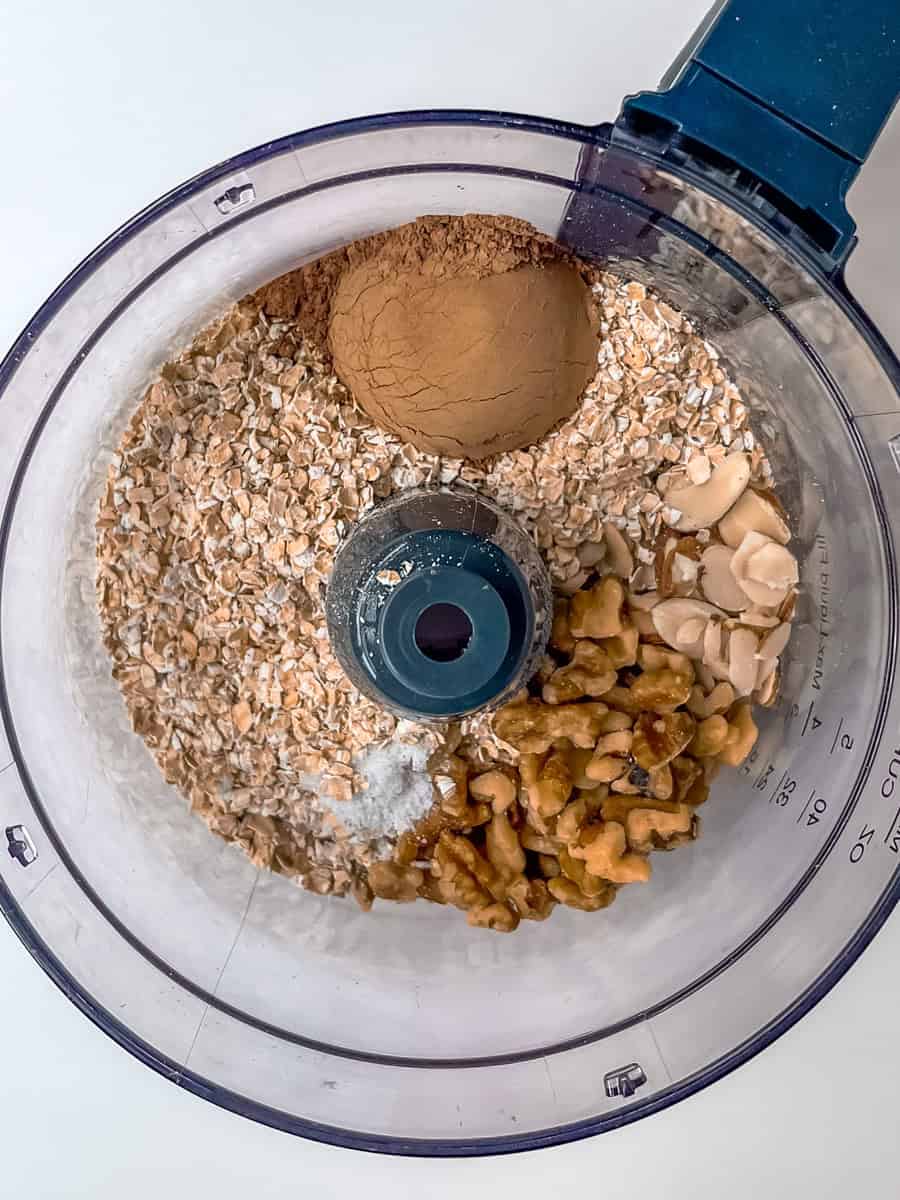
[
  {"x": 438, "y": 604},
  {"x": 463, "y": 582}
]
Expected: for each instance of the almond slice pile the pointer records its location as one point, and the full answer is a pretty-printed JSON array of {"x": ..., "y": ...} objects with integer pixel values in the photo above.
[{"x": 725, "y": 582}]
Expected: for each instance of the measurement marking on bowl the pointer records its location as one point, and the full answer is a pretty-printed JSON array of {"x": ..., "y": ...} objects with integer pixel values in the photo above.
[
  {"x": 816, "y": 721},
  {"x": 887, "y": 790},
  {"x": 892, "y": 837},
  {"x": 783, "y": 792},
  {"x": 894, "y": 447},
  {"x": 859, "y": 847},
  {"x": 814, "y": 809}
]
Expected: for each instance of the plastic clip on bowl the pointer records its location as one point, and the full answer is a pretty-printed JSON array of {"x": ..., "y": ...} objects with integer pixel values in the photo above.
[{"x": 726, "y": 194}]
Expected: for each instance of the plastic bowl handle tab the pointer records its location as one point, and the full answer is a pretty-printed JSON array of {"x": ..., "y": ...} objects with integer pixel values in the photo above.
[{"x": 793, "y": 93}]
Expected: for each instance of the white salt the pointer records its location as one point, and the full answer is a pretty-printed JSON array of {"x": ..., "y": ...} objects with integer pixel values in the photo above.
[{"x": 398, "y": 796}]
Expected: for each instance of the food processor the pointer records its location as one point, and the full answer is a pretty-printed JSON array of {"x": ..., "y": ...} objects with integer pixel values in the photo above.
[{"x": 403, "y": 1030}]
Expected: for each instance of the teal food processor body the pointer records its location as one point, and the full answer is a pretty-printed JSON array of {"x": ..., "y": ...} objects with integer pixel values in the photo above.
[{"x": 403, "y": 1030}]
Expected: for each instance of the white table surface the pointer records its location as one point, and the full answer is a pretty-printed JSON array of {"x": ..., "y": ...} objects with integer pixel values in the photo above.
[{"x": 105, "y": 105}]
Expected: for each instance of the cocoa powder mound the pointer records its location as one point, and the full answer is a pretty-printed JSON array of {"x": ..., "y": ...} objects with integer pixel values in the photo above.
[
  {"x": 462, "y": 365},
  {"x": 465, "y": 336},
  {"x": 473, "y": 244}
]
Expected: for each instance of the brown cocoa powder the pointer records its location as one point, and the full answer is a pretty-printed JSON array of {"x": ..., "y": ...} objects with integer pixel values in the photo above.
[
  {"x": 466, "y": 336},
  {"x": 472, "y": 244},
  {"x": 462, "y": 366}
]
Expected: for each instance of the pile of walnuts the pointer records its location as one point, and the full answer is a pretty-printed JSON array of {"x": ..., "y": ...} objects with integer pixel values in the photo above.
[{"x": 616, "y": 744}]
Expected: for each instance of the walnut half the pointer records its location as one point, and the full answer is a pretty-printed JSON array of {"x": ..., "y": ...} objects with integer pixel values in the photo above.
[{"x": 604, "y": 851}]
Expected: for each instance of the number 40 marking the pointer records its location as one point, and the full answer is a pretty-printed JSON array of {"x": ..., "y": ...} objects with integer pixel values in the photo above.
[{"x": 815, "y": 809}]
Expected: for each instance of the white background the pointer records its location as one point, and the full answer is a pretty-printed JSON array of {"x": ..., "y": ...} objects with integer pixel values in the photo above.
[{"x": 103, "y": 106}]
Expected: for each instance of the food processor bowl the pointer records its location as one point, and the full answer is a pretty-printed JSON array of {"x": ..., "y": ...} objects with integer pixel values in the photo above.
[{"x": 404, "y": 1030}]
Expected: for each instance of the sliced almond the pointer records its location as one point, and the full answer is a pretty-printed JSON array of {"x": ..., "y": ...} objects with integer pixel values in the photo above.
[
  {"x": 620, "y": 557},
  {"x": 774, "y": 643},
  {"x": 753, "y": 513},
  {"x": 713, "y": 641},
  {"x": 677, "y": 565},
  {"x": 787, "y": 606},
  {"x": 715, "y": 649},
  {"x": 670, "y": 617},
  {"x": 718, "y": 583},
  {"x": 705, "y": 677},
  {"x": 759, "y": 619},
  {"x": 774, "y": 566},
  {"x": 663, "y": 561},
  {"x": 692, "y": 630},
  {"x": 767, "y": 690},
  {"x": 701, "y": 505},
  {"x": 765, "y": 667},
  {"x": 698, "y": 470},
  {"x": 761, "y": 593},
  {"x": 684, "y": 573},
  {"x": 764, "y": 569},
  {"x": 720, "y": 670},
  {"x": 643, "y": 579},
  {"x": 742, "y": 665},
  {"x": 672, "y": 481},
  {"x": 750, "y": 543}
]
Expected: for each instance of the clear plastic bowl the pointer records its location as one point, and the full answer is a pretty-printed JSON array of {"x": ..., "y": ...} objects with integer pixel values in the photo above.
[{"x": 404, "y": 1030}]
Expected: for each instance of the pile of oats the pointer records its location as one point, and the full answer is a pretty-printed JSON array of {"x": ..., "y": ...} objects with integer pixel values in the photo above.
[{"x": 243, "y": 468}]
